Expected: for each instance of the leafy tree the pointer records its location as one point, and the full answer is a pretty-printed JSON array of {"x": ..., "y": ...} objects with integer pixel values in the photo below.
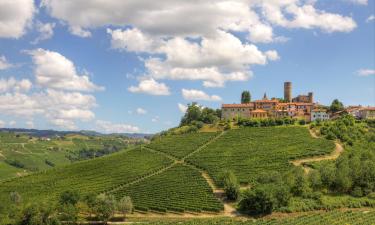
[
  {"x": 125, "y": 205},
  {"x": 193, "y": 113},
  {"x": 90, "y": 201},
  {"x": 315, "y": 180},
  {"x": 105, "y": 206},
  {"x": 37, "y": 214},
  {"x": 231, "y": 185},
  {"x": 258, "y": 200},
  {"x": 69, "y": 197},
  {"x": 245, "y": 97},
  {"x": 336, "y": 106}
]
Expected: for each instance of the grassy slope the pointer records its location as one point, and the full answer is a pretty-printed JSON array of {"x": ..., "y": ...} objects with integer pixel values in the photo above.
[
  {"x": 249, "y": 151},
  {"x": 91, "y": 176},
  {"x": 33, "y": 153}
]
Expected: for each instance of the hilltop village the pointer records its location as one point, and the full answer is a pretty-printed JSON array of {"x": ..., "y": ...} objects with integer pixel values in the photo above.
[{"x": 301, "y": 107}]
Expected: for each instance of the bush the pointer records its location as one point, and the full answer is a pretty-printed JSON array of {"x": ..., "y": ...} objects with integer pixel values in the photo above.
[{"x": 257, "y": 201}]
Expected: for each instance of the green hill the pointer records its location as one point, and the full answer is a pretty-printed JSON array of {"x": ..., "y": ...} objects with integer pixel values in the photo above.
[
  {"x": 166, "y": 175},
  {"x": 22, "y": 154}
]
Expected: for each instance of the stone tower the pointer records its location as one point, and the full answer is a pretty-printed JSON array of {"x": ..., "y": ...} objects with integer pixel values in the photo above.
[
  {"x": 311, "y": 97},
  {"x": 288, "y": 91}
]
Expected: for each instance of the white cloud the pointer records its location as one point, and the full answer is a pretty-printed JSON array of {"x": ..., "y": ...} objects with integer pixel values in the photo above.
[
  {"x": 192, "y": 94},
  {"x": 131, "y": 40},
  {"x": 11, "y": 84},
  {"x": 359, "y": 2},
  {"x": 141, "y": 111},
  {"x": 182, "y": 107},
  {"x": 155, "y": 119},
  {"x": 53, "y": 70},
  {"x": 370, "y": 18},
  {"x": 65, "y": 124},
  {"x": 109, "y": 127},
  {"x": 272, "y": 55},
  {"x": 15, "y": 17},
  {"x": 45, "y": 31},
  {"x": 4, "y": 64},
  {"x": 12, "y": 123},
  {"x": 365, "y": 72},
  {"x": 2, "y": 124},
  {"x": 78, "y": 31},
  {"x": 150, "y": 86}
]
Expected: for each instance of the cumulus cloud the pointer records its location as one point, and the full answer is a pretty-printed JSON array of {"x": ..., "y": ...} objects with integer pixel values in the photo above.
[
  {"x": 2, "y": 124},
  {"x": 30, "y": 124},
  {"x": 11, "y": 84},
  {"x": 45, "y": 31},
  {"x": 78, "y": 31},
  {"x": 151, "y": 87},
  {"x": 141, "y": 111},
  {"x": 15, "y": 17},
  {"x": 155, "y": 119},
  {"x": 272, "y": 55},
  {"x": 370, "y": 18},
  {"x": 53, "y": 70},
  {"x": 109, "y": 127},
  {"x": 182, "y": 107},
  {"x": 365, "y": 72},
  {"x": 359, "y": 2},
  {"x": 4, "y": 64},
  {"x": 192, "y": 94},
  {"x": 12, "y": 123}
]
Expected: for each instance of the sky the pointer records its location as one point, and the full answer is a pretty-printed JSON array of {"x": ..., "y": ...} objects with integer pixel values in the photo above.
[{"x": 133, "y": 66}]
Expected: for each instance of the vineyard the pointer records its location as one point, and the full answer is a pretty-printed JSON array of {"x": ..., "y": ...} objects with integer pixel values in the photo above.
[
  {"x": 320, "y": 218},
  {"x": 178, "y": 189},
  {"x": 22, "y": 154},
  {"x": 251, "y": 151},
  {"x": 181, "y": 145},
  {"x": 93, "y": 176}
]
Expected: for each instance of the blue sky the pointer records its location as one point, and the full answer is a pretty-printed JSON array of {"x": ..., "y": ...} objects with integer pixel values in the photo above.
[{"x": 132, "y": 66}]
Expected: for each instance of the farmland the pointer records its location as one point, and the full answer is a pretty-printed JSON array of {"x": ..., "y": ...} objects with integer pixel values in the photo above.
[
  {"x": 181, "y": 145},
  {"x": 315, "y": 218},
  {"x": 92, "y": 176},
  {"x": 21, "y": 154},
  {"x": 250, "y": 151},
  {"x": 179, "y": 189}
]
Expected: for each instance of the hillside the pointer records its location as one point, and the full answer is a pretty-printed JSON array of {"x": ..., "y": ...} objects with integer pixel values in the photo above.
[
  {"x": 22, "y": 153},
  {"x": 160, "y": 167}
]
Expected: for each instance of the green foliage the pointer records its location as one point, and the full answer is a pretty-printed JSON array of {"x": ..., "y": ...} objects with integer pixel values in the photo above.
[
  {"x": 69, "y": 197},
  {"x": 105, "y": 206},
  {"x": 268, "y": 122},
  {"x": 258, "y": 200},
  {"x": 125, "y": 205},
  {"x": 245, "y": 97},
  {"x": 249, "y": 151},
  {"x": 230, "y": 184},
  {"x": 178, "y": 189},
  {"x": 196, "y": 114},
  {"x": 336, "y": 106},
  {"x": 38, "y": 213}
]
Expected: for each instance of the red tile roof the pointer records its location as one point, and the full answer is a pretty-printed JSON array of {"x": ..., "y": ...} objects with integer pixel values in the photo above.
[{"x": 249, "y": 105}]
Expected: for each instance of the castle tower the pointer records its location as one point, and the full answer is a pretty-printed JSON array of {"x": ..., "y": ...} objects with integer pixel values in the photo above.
[
  {"x": 288, "y": 91},
  {"x": 265, "y": 96},
  {"x": 311, "y": 97}
]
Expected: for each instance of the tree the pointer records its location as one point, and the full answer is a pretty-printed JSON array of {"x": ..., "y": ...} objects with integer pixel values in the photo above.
[
  {"x": 336, "y": 106},
  {"x": 245, "y": 97},
  {"x": 38, "y": 213},
  {"x": 69, "y": 197},
  {"x": 193, "y": 113},
  {"x": 258, "y": 200},
  {"x": 90, "y": 201},
  {"x": 105, "y": 206},
  {"x": 125, "y": 205},
  {"x": 231, "y": 185}
]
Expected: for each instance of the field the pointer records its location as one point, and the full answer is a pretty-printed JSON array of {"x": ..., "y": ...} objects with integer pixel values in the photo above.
[
  {"x": 250, "y": 151},
  {"x": 22, "y": 154},
  {"x": 315, "y": 218},
  {"x": 180, "y": 146},
  {"x": 179, "y": 189},
  {"x": 92, "y": 176}
]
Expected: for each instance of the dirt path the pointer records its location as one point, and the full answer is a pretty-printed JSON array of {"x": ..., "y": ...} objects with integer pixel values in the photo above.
[{"x": 334, "y": 155}]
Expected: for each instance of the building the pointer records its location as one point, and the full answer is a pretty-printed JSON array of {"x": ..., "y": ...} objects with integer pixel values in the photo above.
[
  {"x": 309, "y": 98},
  {"x": 319, "y": 114},
  {"x": 367, "y": 113},
  {"x": 299, "y": 107},
  {"x": 354, "y": 111}
]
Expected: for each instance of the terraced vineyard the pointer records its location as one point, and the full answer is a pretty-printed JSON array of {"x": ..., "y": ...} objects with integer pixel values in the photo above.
[
  {"x": 179, "y": 188},
  {"x": 91, "y": 176},
  {"x": 250, "y": 151},
  {"x": 181, "y": 145},
  {"x": 320, "y": 218}
]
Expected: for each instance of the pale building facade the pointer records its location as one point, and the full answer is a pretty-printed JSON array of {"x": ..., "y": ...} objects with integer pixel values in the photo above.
[{"x": 319, "y": 114}]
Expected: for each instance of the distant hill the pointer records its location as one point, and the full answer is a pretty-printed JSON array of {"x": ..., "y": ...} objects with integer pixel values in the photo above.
[{"x": 51, "y": 133}]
